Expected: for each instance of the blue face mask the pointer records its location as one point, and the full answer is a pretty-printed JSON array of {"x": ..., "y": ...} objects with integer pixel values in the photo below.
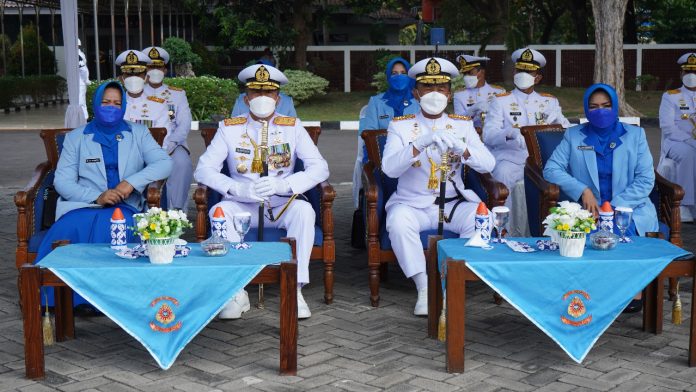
[
  {"x": 399, "y": 82},
  {"x": 601, "y": 117},
  {"x": 108, "y": 115}
]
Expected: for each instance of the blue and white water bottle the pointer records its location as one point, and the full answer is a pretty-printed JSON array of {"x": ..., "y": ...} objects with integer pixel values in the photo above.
[
  {"x": 482, "y": 222},
  {"x": 219, "y": 223},
  {"x": 606, "y": 218},
  {"x": 118, "y": 230}
]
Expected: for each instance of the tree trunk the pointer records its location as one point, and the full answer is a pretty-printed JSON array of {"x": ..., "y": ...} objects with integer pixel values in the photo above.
[
  {"x": 302, "y": 20},
  {"x": 184, "y": 70},
  {"x": 609, "y": 59}
]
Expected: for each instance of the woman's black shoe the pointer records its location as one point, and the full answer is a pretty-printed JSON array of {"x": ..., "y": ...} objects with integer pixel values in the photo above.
[{"x": 634, "y": 306}]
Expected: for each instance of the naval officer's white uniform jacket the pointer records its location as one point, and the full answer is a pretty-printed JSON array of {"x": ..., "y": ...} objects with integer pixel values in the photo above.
[
  {"x": 149, "y": 111},
  {"x": 678, "y": 124},
  {"x": 178, "y": 111},
  {"x": 287, "y": 141},
  {"x": 467, "y": 101}
]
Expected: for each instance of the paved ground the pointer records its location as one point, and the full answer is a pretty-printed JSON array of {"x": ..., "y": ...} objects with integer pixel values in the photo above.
[{"x": 346, "y": 346}]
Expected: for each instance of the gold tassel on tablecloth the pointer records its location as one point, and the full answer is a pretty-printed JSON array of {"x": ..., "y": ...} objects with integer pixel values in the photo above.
[
  {"x": 432, "y": 180},
  {"x": 442, "y": 322},
  {"x": 47, "y": 327},
  {"x": 677, "y": 308}
]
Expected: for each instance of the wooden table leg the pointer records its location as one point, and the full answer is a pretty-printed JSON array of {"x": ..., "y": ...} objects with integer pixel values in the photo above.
[
  {"x": 456, "y": 318},
  {"x": 434, "y": 286},
  {"x": 288, "y": 319},
  {"x": 650, "y": 307},
  {"x": 30, "y": 286},
  {"x": 659, "y": 304},
  {"x": 692, "y": 324},
  {"x": 65, "y": 320}
]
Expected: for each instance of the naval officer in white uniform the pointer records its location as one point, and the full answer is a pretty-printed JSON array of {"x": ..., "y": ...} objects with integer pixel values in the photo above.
[{"x": 473, "y": 100}]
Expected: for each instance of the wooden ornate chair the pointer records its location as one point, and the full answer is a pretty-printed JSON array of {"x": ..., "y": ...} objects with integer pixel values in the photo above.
[
  {"x": 378, "y": 188},
  {"x": 541, "y": 195},
  {"x": 36, "y": 202},
  {"x": 321, "y": 198}
]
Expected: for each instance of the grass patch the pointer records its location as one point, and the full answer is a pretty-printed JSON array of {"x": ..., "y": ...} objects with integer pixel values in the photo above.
[{"x": 338, "y": 106}]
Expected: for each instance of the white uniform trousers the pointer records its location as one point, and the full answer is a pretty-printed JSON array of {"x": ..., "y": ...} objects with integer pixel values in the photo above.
[
  {"x": 685, "y": 170},
  {"x": 298, "y": 221},
  {"x": 512, "y": 176},
  {"x": 404, "y": 224},
  {"x": 179, "y": 182}
]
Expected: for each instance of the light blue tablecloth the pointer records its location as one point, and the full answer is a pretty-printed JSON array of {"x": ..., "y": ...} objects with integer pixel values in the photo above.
[
  {"x": 573, "y": 300},
  {"x": 162, "y": 306}
]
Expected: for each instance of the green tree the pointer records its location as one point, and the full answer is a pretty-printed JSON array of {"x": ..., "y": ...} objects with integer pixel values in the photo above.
[
  {"x": 666, "y": 21},
  {"x": 31, "y": 59},
  {"x": 181, "y": 55}
]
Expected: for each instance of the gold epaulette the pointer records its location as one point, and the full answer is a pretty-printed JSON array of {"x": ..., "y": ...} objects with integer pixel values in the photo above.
[
  {"x": 505, "y": 94},
  {"x": 675, "y": 91},
  {"x": 288, "y": 121},
  {"x": 406, "y": 117},
  {"x": 459, "y": 117},
  {"x": 235, "y": 121},
  {"x": 176, "y": 88},
  {"x": 155, "y": 99},
  {"x": 495, "y": 86},
  {"x": 547, "y": 95}
]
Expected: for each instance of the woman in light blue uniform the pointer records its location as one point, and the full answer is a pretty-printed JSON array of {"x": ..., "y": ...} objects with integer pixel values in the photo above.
[
  {"x": 606, "y": 160},
  {"x": 396, "y": 101},
  {"x": 103, "y": 165}
]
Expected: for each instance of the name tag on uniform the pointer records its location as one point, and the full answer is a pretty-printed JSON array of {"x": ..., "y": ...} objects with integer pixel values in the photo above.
[
  {"x": 382, "y": 117},
  {"x": 683, "y": 108},
  {"x": 242, "y": 150},
  {"x": 515, "y": 113},
  {"x": 586, "y": 148},
  {"x": 92, "y": 160}
]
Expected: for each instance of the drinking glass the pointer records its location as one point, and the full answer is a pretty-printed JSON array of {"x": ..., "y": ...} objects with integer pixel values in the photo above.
[
  {"x": 501, "y": 215},
  {"x": 242, "y": 223},
  {"x": 622, "y": 217}
]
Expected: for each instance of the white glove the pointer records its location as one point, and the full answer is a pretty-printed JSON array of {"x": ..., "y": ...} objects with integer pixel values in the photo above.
[
  {"x": 244, "y": 192},
  {"x": 454, "y": 144},
  {"x": 269, "y": 186},
  {"x": 424, "y": 141},
  {"x": 478, "y": 107}
]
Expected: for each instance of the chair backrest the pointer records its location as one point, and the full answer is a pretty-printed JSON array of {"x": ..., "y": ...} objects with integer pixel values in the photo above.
[
  {"x": 375, "y": 140},
  {"x": 541, "y": 141}
]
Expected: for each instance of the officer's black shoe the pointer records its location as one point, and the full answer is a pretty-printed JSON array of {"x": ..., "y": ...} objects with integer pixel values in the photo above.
[{"x": 634, "y": 306}]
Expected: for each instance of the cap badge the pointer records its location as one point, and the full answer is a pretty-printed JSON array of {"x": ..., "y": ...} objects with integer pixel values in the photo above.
[
  {"x": 262, "y": 74},
  {"x": 433, "y": 67},
  {"x": 132, "y": 58},
  {"x": 691, "y": 60},
  {"x": 527, "y": 55},
  {"x": 154, "y": 53}
]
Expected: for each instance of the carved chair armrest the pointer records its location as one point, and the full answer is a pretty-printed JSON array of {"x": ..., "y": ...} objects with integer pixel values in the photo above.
[
  {"x": 549, "y": 192},
  {"x": 153, "y": 193},
  {"x": 328, "y": 194},
  {"x": 668, "y": 207},
  {"x": 200, "y": 197},
  {"x": 497, "y": 192},
  {"x": 24, "y": 200},
  {"x": 371, "y": 198}
]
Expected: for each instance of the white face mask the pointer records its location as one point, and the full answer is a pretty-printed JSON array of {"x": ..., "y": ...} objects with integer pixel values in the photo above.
[
  {"x": 262, "y": 107},
  {"x": 523, "y": 80},
  {"x": 156, "y": 76},
  {"x": 470, "y": 81},
  {"x": 433, "y": 103},
  {"x": 689, "y": 80},
  {"x": 134, "y": 84}
]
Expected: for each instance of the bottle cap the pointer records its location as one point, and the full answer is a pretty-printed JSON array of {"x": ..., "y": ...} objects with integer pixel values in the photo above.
[
  {"x": 117, "y": 215},
  {"x": 482, "y": 209},
  {"x": 606, "y": 207},
  {"x": 218, "y": 213}
]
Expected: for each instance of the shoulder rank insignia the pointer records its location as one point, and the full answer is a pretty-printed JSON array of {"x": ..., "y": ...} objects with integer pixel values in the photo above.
[
  {"x": 495, "y": 86},
  {"x": 155, "y": 99},
  {"x": 547, "y": 95},
  {"x": 675, "y": 91},
  {"x": 459, "y": 117},
  {"x": 505, "y": 94},
  {"x": 406, "y": 117},
  {"x": 234, "y": 121},
  {"x": 176, "y": 88},
  {"x": 288, "y": 121}
]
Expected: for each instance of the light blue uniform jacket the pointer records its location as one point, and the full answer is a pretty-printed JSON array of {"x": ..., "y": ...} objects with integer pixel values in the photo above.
[
  {"x": 574, "y": 168},
  {"x": 81, "y": 176},
  {"x": 378, "y": 114},
  {"x": 286, "y": 106}
]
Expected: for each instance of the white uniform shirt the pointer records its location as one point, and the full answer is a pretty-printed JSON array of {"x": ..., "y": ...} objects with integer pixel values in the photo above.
[
  {"x": 178, "y": 111},
  {"x": 678, "y": 117},
  {"x": 287, "y": 141},
  {"x": 84, "y": 71},
  {"x": 413, "y": 172},
  {"x": 472, "y": 101},
  {"x": 509, "y": 112},
  {"x": 149, "y": 111}
]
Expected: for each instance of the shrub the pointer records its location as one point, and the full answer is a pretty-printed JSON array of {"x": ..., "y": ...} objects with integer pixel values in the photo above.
[
  {"x": 181, "y": 55},
  {"x": 209, "y": 64},
  {"x": 31, "y": 60},
  {"x": 207, "y": 95},
  {"x": 303, "y": 85},
  {"x": 16, "y": 90}
]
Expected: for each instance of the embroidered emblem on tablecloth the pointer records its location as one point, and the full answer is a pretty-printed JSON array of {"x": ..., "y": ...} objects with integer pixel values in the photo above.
[
  {"x": 164, "y": 315},
  {"x": 576, "y": 309}
]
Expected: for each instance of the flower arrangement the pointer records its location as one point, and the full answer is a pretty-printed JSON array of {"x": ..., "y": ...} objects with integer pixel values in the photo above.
[
  {"x": 569, "y": 217},
  {"x": 157, "y": 223}
]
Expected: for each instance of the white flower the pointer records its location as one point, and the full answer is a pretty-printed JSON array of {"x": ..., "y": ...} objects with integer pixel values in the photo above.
[
  {"x": 567, "y": 220},
  {"x": 584, "y": 214},
  {"x": 154, "y": 210},
  {"x": 142, "y": 223},
  {"x": 570, "y": 207}
]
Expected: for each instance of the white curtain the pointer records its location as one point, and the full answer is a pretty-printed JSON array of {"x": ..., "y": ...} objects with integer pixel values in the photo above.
[{"x": 74, "y": 116}]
